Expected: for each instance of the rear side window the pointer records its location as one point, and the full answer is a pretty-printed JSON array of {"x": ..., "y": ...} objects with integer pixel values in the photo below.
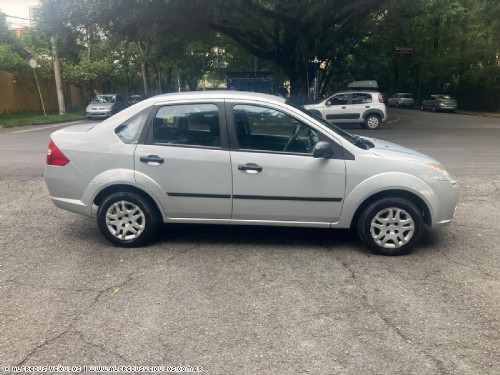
[
  {"x": 187, "y": 124},
  {"x": 361, "y": 98},
  {"x": 130, "y": 131}
]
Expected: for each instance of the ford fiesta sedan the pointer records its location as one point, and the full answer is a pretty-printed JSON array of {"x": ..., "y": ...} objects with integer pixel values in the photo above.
[{"x": 242, "y": 158}]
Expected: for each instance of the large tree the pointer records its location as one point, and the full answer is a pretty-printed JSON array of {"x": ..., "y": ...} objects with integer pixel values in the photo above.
[{"x": 290, "y": 33}]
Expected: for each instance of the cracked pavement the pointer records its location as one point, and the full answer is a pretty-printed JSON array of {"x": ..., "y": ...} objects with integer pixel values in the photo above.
[{"x": 254, "y": 300}]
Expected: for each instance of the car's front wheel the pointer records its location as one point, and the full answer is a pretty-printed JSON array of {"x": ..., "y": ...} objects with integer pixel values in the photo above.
[
  {"x": 372, "y": 122},
  {"x": 127, "y": 220},
  {"x": 390, "y": 226}
]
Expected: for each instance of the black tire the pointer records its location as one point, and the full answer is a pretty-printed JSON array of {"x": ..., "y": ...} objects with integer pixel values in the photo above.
[
  {"x": 133, "y": 226},
  {"x": 379, "y": 226},
  {"x": 372, "y": 122}
]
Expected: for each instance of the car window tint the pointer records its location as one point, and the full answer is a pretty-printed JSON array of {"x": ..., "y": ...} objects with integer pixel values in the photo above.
[
  {"x": 187, "y": 124},
  {"x": 264, "y": 129},
  {"x": 339, "y": 99},
  {"x": 361, "y": 98}
]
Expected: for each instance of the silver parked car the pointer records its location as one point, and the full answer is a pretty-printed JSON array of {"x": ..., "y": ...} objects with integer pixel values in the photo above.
[
  {"x": 401, "y": 99},
  {"x": 226, "y": 157},
  {"x": 439, "y": 103},
  {"x": 105, "y": 105}
]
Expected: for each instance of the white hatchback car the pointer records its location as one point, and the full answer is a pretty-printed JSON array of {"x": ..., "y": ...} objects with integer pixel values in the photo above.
[
  {"x": 363, "y": 107},
  {"x": 226, "y": 157}
]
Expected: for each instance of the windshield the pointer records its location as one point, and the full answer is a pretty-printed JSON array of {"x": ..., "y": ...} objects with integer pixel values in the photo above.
[
  {"x": 351, "y": 138},
  {"x": 103, "y": 99}
]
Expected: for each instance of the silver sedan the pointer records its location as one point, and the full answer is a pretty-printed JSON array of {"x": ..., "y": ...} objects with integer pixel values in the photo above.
[{"x": 227, "y": 157}]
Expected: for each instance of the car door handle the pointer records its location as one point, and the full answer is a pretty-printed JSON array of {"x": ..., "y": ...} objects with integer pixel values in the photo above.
[
  {"x": 250, "y": 167},
  {"x": 151, "y": 159}
]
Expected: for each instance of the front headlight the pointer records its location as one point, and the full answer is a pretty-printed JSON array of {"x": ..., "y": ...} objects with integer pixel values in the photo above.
[{"x": 443, "y": 171}]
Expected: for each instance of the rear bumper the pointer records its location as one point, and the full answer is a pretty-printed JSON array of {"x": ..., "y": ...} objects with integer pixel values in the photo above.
[{"x": 66, "y": 187}]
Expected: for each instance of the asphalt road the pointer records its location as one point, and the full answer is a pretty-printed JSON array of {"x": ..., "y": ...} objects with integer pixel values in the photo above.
[{"x": 252, "y": 300}]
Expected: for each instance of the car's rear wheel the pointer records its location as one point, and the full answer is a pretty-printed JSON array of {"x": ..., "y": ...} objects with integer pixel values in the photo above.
[
  {"x": 127, "y": 220},
  {"x": 390, "y": 226},
  {"x": 372, "y": 122}
]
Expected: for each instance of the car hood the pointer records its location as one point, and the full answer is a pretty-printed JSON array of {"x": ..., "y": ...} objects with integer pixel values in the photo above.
[{"x": 394, "y": 151}]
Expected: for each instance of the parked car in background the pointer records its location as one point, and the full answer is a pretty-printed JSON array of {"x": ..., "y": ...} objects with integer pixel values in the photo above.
[
  {"x": 439, "y": 103},
  {"x": 133, "y": 99},
  {"x": 362, "y": 104},
  {"x": 231, "y": 157},
  {"x": 105, "y": 105},
  {"x": 401, "y": 99}
]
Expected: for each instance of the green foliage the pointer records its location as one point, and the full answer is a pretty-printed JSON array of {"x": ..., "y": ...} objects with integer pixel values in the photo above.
[
  {"x": 8, "y": 120},
  {"x": 166, "y": 45}
]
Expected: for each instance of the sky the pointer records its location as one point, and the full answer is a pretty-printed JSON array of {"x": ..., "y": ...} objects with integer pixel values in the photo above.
[{"x": 17, "y": 8}]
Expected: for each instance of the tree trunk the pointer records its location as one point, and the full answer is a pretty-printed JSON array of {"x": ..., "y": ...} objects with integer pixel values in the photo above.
[
  {"x": 299, "y": 82},
  {"x": 57, "y": 74},
  {"x": 145, "y": 78}
]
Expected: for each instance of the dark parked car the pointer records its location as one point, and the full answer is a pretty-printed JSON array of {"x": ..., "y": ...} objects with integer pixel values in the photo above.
[
  {"x": 132, "y": 99},
  {"x": 439, "y": 102}
]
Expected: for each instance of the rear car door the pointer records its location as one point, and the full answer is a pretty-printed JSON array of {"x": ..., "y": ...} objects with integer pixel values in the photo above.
[
  {"x": 185, "y": 158},
  {"x": 275, "y": 176},
  {"x": 360, "y": 103}
]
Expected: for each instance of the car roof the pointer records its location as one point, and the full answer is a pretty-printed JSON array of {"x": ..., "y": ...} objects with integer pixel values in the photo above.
[{"x": 215, "y": 94}]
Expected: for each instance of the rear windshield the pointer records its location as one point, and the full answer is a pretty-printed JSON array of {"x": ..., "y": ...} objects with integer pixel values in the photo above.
[{"x": 447, "y": 97}]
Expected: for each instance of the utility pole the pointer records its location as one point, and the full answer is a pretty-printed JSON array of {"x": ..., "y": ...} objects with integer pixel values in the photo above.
[{"x": 57, "y": 74}]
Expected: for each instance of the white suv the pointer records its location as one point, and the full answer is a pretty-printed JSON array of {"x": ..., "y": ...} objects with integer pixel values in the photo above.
[{"x": 360, "y": 104}]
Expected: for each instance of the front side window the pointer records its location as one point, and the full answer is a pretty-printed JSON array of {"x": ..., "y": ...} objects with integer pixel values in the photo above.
[
  {"x": 264, "y": 129},
  {"x": 187, "y": 124},
  {"x": 340, "y": 99}
]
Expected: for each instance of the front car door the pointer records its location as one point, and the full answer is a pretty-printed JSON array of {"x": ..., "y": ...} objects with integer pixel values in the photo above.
[
  {"x": 337, "y": 110},
  {"x": 275, "y": 177},
  {"x": 184, "y": 157}
]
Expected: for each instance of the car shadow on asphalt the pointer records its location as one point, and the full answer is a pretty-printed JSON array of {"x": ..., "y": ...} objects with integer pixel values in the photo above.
[{"x": 258, "y": 235}]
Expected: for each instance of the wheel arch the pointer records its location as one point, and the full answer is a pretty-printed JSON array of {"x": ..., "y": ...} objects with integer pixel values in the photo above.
[
  {"x": 124, "y": 188},
  {"x": 394, "y": 193},
  {"x": 374, "y": 111}
]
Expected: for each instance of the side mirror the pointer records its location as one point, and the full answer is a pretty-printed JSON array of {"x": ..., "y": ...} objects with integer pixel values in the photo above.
[{"x": 323, "y": 150}]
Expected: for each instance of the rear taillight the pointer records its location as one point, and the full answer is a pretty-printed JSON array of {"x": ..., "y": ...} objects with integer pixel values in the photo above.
[
  {"x": 55, "y": 156},
  {"x": 381, "y": 98}
]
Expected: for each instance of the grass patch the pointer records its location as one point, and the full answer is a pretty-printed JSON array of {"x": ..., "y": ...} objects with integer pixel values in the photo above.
[{"x": 8, "y": 120}]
